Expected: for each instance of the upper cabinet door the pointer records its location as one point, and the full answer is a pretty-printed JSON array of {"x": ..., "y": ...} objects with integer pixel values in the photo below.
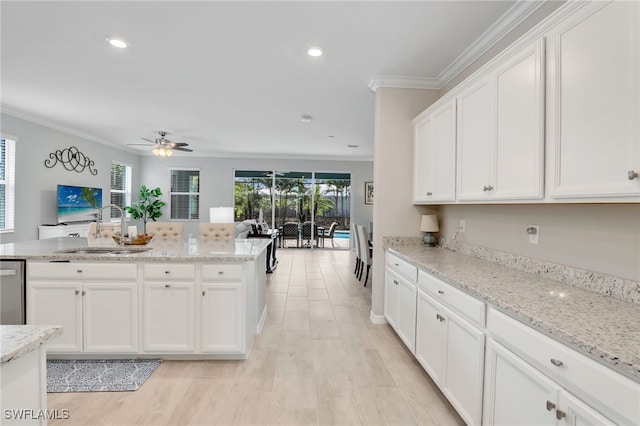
[
  {"x": 435, "y": 154},
  {"x": 518, "y": 157},
  {"x": 593, "y": 128},
  {"x": 474, "y": 142}
]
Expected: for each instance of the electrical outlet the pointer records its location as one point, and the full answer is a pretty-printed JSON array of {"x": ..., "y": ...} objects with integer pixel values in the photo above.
[
  {"x": 534, "y": 234},
  {"x": 462, "y": 226}
]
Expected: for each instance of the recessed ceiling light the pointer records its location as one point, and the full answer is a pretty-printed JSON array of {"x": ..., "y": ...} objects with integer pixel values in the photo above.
[
  {"x": 353, "y": 146},
  {"x": 116, "y": 42},
  {"x": 306, "y": 119},
  {"x": 315, "y": 51}
]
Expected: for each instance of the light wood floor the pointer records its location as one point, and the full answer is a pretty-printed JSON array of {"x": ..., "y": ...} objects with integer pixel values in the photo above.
[{"x": 318, "y": 361}]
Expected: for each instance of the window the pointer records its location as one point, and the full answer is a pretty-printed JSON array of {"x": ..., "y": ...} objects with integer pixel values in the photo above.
[
  {"x": 120, "y": 188},
  {"x": 7, "y": 184},
  {"x": 185, "y": 194}
]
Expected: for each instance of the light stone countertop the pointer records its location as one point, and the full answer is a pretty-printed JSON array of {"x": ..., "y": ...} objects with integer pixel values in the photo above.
[
  {"x": 162, "y": 250},
  {"x": 604, "y": 328},
  {"x": 18, "y": 340}
]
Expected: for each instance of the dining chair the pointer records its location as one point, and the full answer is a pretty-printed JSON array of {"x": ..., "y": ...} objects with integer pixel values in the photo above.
[
  {"x": 216, "y": 231},
  {"x": 166, "y": 230},
  {"x": 356, "y": 241},
  {"x": 107, "y": 230},
  {"x": 365, "y": 252}
]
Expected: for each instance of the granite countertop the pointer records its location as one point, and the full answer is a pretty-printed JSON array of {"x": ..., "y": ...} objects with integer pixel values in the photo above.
[
  {"x": 161, "y": 250},
  {"x": 17, "y": 340},
  {"x": 602, "y": 327}
]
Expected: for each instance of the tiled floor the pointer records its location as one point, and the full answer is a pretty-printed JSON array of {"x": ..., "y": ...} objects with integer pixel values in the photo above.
[{"x": 319, "y": 361}]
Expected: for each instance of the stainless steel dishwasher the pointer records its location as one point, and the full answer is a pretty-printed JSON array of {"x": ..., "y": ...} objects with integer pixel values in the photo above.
[{"x": 12, "y": 289}]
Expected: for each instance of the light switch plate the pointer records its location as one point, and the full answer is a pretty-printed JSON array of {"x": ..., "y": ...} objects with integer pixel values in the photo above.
[
  {"x": 462, "y": 226},
  {"x": 534, "y": 234}
]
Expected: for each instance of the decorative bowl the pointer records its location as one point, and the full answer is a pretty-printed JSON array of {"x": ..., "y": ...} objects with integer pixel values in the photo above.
[{"x": 139, "y": 240}]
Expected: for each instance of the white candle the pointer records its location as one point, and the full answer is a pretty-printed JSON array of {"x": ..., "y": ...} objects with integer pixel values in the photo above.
[{"x": 132, "y": 231}]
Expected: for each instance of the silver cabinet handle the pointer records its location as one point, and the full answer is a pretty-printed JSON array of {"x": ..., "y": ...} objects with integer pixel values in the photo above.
[
  {"x": 440, "y": 292},
  {"x": 487, "y": 188},
  {"x": 396, "y": 282},
  {"x": 556, "y": 362},
  {"x": 560, "y": 414},
  {"x": 77, "y": 292},
  {"x": 429, "y": 193},
  {"x": 203, "y": 292},
  {"x": 439, "y": 317},
  {"x": 550, "y": 405},
  {"x": 79, "y": 271},
  {"x": 84, "y": 292},
  {"x": 167, "y": 285},
  {"x": 632, "y": 174},
  {"x": 167, "y": 272},
  {"x": 220, "y": 272}
]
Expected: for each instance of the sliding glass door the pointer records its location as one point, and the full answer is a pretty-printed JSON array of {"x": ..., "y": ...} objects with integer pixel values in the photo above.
[{"x": 312, "y": 200}]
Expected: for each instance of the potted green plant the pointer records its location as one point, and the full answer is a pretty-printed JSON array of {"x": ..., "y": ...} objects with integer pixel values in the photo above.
[{"x": 148, "y": 207}]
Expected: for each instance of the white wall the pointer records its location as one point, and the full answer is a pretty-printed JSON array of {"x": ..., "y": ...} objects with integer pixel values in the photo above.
[
  {"x": 36, "y": 184},
  {"x": 393, "y": 212}
]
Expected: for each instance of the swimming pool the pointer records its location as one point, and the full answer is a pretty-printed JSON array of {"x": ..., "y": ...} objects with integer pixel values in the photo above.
[{"x": 341, "y": 234}]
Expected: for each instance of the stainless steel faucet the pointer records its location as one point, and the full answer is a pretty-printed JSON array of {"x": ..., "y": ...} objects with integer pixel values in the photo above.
[{"x": 99, "y": 221}]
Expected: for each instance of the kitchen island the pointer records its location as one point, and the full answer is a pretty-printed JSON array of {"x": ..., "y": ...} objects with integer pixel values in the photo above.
[
  {"x": 23, "y": 394},
  {"x": 170, "y": 299}
]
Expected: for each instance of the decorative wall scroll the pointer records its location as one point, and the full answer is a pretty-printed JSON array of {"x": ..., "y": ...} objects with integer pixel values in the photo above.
[{"x": 72, "y": 159}]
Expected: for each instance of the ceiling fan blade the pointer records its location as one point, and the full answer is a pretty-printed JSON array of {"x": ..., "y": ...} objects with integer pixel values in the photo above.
[
  {"x": 179, "y": 144},
  {"x": 177, "y": 148},
  {"x": 149, "y": 140},
  {"x": 139, "y": 144}
]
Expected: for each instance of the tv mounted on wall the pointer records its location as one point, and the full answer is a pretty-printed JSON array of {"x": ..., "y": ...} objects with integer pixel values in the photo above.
[{"x": 78, "y": 203}]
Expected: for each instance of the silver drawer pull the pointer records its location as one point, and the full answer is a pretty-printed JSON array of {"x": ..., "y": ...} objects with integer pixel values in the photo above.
[
  {"x": 167, "y": 272},
  {"x": 220, "y": 272},
  {"x": 550, "y": 405},
  {"x": 396, "y": 264},
  {"x": 396, "y": 282},
  {"x": 560, "y": 414},
  {"x": 632, "y": 174},
  {"x": 203, "y": 292},
  {"x": 440, "y": 292},
  {"x": 79, "y": 271},
  {"x": 167, "y": 285},
  {"x": 429, "y": 193},
  {"x": 556, "y": 362},
  {"x": 77, "y": 292},
  {"x": 84, "y": 292},
  {"x": 487, "y": 188}
]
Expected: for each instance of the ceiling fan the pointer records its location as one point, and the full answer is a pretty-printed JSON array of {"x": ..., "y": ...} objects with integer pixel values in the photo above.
[{"x": 165, "y": 147}]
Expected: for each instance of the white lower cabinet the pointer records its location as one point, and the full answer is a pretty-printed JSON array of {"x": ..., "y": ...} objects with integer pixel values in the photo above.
[
  {"x": 97, "y": 315},
  {"x": 223, "y": 309},
  {"x": 451, "y": 350},
  {"x": 518, "y": 394},
  {"x": 400, "y": 299},
  {"x": 533, "y": 379},
  {"x": 169, "y": 314}
]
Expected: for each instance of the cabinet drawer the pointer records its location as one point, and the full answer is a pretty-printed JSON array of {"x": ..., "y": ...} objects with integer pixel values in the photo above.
[
  {"x": 170, "y": 271},
  {"x": 221, "y": 272},
  {"x": 79, "y": 270},
  {"x": 459, "y": 301},
  {"x": 606, "y": 390},
  {"x": 403, "y": 267}
]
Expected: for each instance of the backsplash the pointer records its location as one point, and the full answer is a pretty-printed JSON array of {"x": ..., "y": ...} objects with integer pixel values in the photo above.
[{"x": 619, "y": 288}]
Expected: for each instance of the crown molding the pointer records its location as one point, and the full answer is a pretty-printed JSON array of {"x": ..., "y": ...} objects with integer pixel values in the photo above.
[
  {"x": 402, "y": 82},
  {"x": 34, "y": 118},
  {"x": 504, "y": 25}
]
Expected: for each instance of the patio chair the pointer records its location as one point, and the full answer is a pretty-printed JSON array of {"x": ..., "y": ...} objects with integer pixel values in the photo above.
[
  {"x": 289, "y": 231},
  {"x": 329, "y": 234},
  {"x": 309, "y": 233}
]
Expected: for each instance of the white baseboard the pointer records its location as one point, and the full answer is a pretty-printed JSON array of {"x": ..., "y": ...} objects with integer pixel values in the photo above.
[{"x": 377, "y": 319}]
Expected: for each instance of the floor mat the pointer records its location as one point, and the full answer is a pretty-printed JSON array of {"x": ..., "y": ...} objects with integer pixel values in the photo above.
[{"x": 98, "y": 375}]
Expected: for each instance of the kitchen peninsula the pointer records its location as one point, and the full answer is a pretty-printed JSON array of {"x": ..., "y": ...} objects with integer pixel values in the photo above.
[{"x": 196, "y": 300}]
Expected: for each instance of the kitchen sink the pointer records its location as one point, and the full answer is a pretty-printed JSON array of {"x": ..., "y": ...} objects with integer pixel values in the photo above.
[{"x": 105, "y": 250}]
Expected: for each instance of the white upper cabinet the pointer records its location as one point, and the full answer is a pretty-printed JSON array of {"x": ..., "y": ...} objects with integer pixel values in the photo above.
[
  {"x": 435, "y": 154},
  {"x": 593, "y": 116},
  {"x": 501, "y": 131}
]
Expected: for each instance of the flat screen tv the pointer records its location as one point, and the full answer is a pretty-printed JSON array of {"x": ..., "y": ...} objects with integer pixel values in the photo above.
[{"x": 78, "y": 203}]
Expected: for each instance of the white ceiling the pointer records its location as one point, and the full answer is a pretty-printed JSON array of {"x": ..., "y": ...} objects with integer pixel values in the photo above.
[{"x": 232, "y": 78}]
